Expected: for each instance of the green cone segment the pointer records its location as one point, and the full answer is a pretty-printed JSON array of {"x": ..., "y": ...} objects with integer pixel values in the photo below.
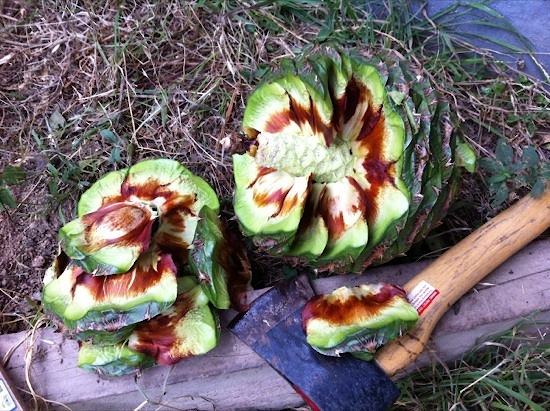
[
  {"x": 140, "y": 266},
  {"x": 110, "y": 239},
  {"x": 217, "y": 260},
  {"x": 112, "y": 360},
  {"x": 117, "y": 214},
  {"x": 358, "y": 319},
  {"x": 85, "y": 302},
  {"x": 348, "y": 158},
  {"x": 187, "y": 328}
]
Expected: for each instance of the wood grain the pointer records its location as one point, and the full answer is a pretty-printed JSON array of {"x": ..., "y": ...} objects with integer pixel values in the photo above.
[{"x": 463, "y": 266}]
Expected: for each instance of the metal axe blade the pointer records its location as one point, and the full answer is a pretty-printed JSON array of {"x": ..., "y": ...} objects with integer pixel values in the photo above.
[
  {"x": 273, "y": 328},
  {"x": 273, "y": 325}
]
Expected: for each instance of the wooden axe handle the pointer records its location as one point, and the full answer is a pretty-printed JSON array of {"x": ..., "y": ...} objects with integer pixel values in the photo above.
[{"x": 461, "y": 268}]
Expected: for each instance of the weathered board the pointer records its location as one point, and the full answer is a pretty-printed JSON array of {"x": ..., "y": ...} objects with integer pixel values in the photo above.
[{"x": 233, "y": 377}]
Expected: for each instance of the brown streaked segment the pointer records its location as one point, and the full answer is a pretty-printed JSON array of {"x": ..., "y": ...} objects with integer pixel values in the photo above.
[
  {"x": 234, "y": 259},
  {"x": 334, "y": 215},
  {"x": 277, "y": 122},
  {"x": 105, "y": 288},
  {"x": 174, "y": 223},
  {"x": 378, "y": 171},
  {"x": 252, "y": 133},
  {"x": 285, "y": 198},
  {"x": 354, "y": 309},
  {"x": 319, "y": 126},
  {"x": 311, "y": 209},
  {"x": 338, "y": 104},
  {"x": 132, "y": 219},
  {"x": 298, "y": 114},
  {"x": 334, "y": 221},
  {"x": 179, "y": 201},
  {"x": 371, "y": 119},
  {"x": 355, "y": 92},
  {"x": 61, "y": 263},
  {"x": 294, "y": 198},
  {"x": 152, "y": 189},
  {"x": 346, "y": 106},
  {"x": 146, "y": 190},
  {"x": 262, "y": 171},
  {"x": 106, "y": 200},
  {"x": 310, "y": 115},
  {"x": 360, "y": 205},
  {"x": 158, "y": 337},
  {"x": 278, "y": 197}
]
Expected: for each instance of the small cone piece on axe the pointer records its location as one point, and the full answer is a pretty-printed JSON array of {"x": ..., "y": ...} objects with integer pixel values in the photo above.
[{"x": 272, "y": 327}]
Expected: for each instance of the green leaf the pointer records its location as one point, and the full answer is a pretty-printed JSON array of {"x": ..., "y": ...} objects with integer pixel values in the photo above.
[
  {"x": 504, "y": 153},
  {"x": 499, "y": 178},
  {"x": 512, "y": 118},
  {"x": 466, "y": 157},
  {"x": 490, "y": 166},
  {"x": 53, "y": 188},
  {"x": 51, "y": 168},
  {"x": 289, "y": 272},
  {"x": 501, "y": 194},
  {"x": 109, "y": 136},
  {"x": 538, "y": 188},
  {"x": 13, "y": 175},
  {"x": 115, "y": 156},
  {"x": 6, "y": 199},
  {"x": 530, "y": 157}
]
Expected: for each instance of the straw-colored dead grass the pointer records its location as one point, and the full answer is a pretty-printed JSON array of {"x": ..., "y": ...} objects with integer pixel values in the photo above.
[{"x": 169, "y": 79}]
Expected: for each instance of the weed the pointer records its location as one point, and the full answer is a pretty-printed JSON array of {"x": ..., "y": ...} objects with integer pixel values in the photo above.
[
  {"x": 505, "y": 173},
  {"x": 11, "y": 175},
  {"x": 509, "y": 371}
]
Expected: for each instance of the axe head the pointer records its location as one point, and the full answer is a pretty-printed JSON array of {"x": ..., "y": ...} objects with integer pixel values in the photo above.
[{"x": 273, "y": 328}]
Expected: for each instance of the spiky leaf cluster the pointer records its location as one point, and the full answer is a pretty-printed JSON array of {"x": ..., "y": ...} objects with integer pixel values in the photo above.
[
  {"x": 351, "y": 160},
  {"x": 143, "y": 269}
]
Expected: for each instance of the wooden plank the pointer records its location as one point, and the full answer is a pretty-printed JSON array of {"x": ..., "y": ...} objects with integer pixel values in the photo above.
[
  {"x": 233, "y": 377},
  {"x": 10, "y": 399}
]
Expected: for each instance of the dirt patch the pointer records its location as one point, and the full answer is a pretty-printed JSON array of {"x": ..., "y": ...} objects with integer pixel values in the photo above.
[{"x": 28, "y": 246}]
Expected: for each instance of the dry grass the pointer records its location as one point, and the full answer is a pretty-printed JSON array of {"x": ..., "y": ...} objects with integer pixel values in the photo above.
[
  {"x": 166, "y": 79},
  {"x": 161, "y": 77}
]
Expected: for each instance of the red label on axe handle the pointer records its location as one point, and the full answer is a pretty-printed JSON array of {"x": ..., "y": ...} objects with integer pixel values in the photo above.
[{"x": 422, "y": 296}]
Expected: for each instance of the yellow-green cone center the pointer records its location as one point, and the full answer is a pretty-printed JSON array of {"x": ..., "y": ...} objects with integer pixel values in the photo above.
[{"x": 302, "y": 155}]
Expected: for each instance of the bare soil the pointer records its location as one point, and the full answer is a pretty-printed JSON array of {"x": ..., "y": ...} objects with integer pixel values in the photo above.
[{"x": 28, "y": 243}]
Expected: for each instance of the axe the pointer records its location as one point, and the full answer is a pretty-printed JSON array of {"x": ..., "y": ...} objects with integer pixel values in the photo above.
[{"x": 272, "y": 327}]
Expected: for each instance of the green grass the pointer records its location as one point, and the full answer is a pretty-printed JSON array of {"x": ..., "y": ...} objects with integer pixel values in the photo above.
[{"x": 507, "y": 372}]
